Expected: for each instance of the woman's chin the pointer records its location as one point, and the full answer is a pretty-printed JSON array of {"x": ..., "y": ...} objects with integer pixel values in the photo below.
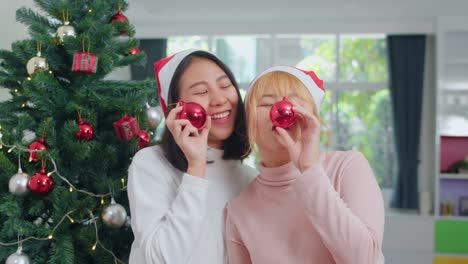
[{"x": 219, "y": 134}]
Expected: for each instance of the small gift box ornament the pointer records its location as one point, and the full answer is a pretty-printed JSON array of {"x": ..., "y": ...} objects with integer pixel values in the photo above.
[
  {"x": 85, "y": 62},
  {"x": 126, "y": 128}
]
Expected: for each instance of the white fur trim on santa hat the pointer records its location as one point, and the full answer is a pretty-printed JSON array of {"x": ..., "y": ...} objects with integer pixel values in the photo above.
[
  {"x": 164, "y": 70},
  {"x": 308, "y": 78}
]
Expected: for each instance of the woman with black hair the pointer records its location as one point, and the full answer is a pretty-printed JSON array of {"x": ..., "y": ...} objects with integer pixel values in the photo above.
[{"x": 178, "y": 190}]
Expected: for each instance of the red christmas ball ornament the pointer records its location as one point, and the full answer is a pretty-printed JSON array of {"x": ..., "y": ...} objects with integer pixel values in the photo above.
[
  {"x": 120, "y": 17},
  {"x": 40, "y": 183},
  {"x": 36, "y": 147},
  {"x": 134, "y": 51},
  {"x": 143, "y": 139},
  {"x": 86, "y": 131},
  {"x": 282, "y": 114},
  {"x": 195, "y": 113}
]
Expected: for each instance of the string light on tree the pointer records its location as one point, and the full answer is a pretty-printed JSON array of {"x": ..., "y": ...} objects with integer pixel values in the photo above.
[
  {"x": 11, "y": 149},
  {"x": 49, "y": 237},
  {"x": 55, "y": 170},
  {"x": 98, "y": 242},
  {"x": 71, "y": 219}
]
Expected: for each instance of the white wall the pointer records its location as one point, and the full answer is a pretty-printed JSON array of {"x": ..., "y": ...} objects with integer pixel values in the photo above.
[
  {"x": 162, "y": 18},
  {"x": 408, "y": 239},
  {"x": 155, "y": 18},
  {"x": 10, "y": 29},
  {"x": 4, "y": 95}
]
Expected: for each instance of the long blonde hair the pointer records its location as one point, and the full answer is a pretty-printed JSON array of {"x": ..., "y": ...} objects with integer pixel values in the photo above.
[{"x": 280, "y": 84}]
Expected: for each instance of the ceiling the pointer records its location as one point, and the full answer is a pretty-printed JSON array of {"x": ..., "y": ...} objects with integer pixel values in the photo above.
[
  {"x": 155, "y": 18},
  {"x": 153, "y": 10}
]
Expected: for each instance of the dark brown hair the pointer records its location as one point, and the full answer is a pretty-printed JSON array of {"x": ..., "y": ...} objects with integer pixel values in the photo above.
[{"x": 236, "y": 146}]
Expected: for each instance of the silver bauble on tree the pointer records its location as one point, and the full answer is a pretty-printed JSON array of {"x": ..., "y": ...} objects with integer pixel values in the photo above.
[
  {"x": 18, "y": 258},
  {"x": 36, "y": 64},
  {"x": 154, "y": 115},
  {"x": 18, "y": 184},
  {"x": 114, "y": 215},
  {"x": 66, "y": 31}
]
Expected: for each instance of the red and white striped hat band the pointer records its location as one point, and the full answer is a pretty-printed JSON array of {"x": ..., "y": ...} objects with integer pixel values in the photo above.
[
  {"x": 308, "y": 78},
  {"x": 164, "y": 70}
]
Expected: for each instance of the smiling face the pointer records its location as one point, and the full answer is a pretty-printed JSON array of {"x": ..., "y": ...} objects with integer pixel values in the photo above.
[
  {"x": 266, "y": 91},
  {"x": 205, "y": 83}
]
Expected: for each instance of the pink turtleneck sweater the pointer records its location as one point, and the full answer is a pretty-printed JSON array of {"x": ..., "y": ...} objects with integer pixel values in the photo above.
[{"x": 331, "y": 213}]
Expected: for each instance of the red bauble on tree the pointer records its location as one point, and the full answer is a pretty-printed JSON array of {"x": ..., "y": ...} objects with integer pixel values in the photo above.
[
  {"x": 40, "y": 183},
  {"x": 134, "y": 51},
  {"x": 194, "y": 112},
  {"x": 143, "y": 139},
  {"x": 85, "y": 132},
  {"x": 120, "y": 17},
  {"x": 282, "y": 114},
  {"x": 36, "y": 147}
]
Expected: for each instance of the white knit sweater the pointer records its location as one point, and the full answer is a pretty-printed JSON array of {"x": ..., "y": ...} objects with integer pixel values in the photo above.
[{"x": 178, "y": 218}]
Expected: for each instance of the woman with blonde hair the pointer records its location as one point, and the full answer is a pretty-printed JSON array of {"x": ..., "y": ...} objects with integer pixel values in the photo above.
[{"x": 306, "y": 206}]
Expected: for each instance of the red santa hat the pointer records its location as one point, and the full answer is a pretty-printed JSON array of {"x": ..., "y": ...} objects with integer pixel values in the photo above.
[
  {"x": 164, "y": 71},
  {"x": 308, "y": 78}
]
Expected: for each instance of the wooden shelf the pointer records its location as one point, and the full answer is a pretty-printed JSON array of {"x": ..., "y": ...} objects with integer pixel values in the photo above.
[
  {"x": 451, "y": 259},
  {"x": 453, "y": 176}
]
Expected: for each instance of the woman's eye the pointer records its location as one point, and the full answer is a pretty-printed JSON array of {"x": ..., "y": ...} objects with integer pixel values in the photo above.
[
  {"x": 265, "y": 104},
  {"x": 224, "y": 86},
  {"x": 201, "y": 92}
]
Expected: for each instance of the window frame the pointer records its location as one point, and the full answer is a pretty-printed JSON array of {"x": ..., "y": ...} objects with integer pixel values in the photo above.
[{"x": 333, "y": 86}]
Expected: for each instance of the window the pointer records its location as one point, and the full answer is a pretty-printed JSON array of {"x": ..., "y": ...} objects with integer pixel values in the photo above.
[{"x": 356, "y": 113}]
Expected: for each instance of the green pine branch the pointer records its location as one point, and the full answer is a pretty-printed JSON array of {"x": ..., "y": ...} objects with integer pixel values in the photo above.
[
  {"x": 46, "y": 104},
  {"x": 37, "y": 24}
]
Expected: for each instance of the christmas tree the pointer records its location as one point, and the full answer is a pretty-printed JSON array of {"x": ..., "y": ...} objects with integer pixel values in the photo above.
[{"x": 67, "y": 134}]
